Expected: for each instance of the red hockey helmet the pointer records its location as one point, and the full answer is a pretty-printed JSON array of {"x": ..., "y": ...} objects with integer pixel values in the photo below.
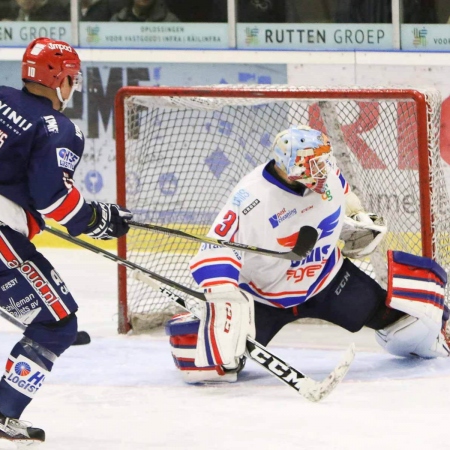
[{"x": 48, "y": 62}]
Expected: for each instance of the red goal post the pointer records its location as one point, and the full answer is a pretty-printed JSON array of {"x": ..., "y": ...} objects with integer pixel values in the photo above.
[{"x": 181, "y": 150}]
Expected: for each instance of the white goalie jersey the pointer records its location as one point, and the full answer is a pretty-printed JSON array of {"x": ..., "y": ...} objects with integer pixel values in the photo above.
[{"x": 263, "y": 212}]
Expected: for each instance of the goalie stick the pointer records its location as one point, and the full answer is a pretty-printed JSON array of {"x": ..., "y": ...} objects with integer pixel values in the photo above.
[
  {"x": 312, "y": 390},
  {"x": 307, "y": 387},
  {"x": 307, "y": 238},
  {"x": 82, "y": 338}
]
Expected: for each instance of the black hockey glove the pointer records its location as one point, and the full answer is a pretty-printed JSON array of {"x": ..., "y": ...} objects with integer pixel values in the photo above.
[{"x": 108, "y": 221}]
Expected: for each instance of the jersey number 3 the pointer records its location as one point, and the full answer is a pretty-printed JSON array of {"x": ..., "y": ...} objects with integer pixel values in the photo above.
[{"x": 224, "y": 227}]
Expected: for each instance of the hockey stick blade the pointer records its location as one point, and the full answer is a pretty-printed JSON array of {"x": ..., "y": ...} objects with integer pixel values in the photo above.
[
  {"x": 307, "y": 238},
  {"x": 308, "y": 388},
  {"x": 316, "y": 391},
  {"x": 82, "y": 338}
]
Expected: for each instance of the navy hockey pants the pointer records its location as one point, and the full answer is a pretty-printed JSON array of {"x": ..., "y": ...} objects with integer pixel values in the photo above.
[
  {"x": 32, "y": 291},
  {"x": 352, "y": 300},
  {"x": 29, "y": 285}
]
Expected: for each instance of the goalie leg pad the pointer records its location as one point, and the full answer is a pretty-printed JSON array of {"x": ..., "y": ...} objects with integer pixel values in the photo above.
[
  {"x": 183, "y": 332},
  {"x": 411, "y": 336},
  {"x": 415, "y": 286},
  {"x": 226, "y": 320}
]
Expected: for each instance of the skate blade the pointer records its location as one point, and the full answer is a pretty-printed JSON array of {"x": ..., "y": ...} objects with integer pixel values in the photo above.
[{"x": 26, "y": 443}]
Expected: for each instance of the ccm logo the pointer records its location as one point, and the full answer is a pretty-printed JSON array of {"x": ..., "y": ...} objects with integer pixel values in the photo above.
[
  {"x": 342, "y": 284},
  {"x": 229, "y": 315},
  {"x": 286, "y": 373}
]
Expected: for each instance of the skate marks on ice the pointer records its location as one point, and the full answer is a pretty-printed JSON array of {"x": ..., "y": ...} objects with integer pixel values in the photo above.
[{"x": 145, "y": 361}]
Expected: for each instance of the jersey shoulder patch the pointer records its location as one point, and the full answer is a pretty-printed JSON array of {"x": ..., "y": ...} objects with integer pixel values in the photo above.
[{"x": 66, "y": 158}]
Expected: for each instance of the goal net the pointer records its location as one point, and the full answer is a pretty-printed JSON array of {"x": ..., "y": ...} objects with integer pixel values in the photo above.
[{"x": 180, "y": 152}]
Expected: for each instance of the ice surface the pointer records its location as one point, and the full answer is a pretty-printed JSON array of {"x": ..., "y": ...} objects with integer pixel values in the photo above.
[{"x": 123, "y": 392}]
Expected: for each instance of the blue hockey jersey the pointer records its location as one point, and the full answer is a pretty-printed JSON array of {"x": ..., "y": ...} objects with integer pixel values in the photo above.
[{"x": 40, "y": 149}]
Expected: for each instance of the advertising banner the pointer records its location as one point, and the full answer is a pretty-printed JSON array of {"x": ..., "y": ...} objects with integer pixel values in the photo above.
[
  {"x": 19, "y": 34},
  {"x": 314, "y": 36},
  {"x": 424, "y": 38},
  {"x": 154, "y": 35}
]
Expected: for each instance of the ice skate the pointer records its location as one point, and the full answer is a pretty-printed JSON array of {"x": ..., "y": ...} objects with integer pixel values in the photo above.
[{"x": 20, "y": 432}]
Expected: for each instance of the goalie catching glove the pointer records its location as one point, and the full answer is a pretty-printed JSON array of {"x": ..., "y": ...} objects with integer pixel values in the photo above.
[
  {"x": 108, "y": 221},
  {"x": 361, "y": 233}
]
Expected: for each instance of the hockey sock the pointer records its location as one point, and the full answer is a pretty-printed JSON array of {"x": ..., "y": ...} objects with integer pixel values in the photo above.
[{"x": 26, "y": 369}]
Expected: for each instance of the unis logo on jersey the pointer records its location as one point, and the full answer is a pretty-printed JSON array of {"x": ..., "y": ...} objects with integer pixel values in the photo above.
[
  {"x": 239, "y": 197},
  {"x": 22, "y": 369},
  {"x": 67, "y": 159},
  {"x": 281, "y": 216}
]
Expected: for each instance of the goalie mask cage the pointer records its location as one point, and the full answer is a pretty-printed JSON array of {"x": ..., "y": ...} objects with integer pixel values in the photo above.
[{"x": 181, "y": 150}]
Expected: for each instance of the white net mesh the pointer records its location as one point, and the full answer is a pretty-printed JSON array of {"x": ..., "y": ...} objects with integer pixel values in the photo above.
[{"x": 185, "y": 151}]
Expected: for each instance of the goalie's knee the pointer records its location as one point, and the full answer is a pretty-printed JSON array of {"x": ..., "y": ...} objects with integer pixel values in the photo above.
[
  {"x": 411, "y": 336},
  {"x": 183, "y": 332}
]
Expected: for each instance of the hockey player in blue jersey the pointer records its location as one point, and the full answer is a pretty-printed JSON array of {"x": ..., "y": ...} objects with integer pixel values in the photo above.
[
  {"x": 255, "y": 295},
  {"x": 40, "y": 149}
]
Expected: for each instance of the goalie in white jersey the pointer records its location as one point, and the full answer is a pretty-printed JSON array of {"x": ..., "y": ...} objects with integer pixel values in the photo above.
[{"x": 255, "y": 295}]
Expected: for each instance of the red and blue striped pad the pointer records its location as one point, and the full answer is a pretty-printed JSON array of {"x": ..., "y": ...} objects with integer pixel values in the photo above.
[
  {"x": 416, "y": 285},
  {"x": 181, "y": 324}
]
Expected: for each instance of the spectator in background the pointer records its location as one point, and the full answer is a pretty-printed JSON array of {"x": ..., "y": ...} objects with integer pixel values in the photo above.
[
  {"x": 252, "y": 11},
  {"x": 419, "y": 11},
  {"x": 145, "y": 11},
  {"x": 380, "y": 11},
  {"x": 43, "y": 10},
  {"x": 198, "y": 11},
  {"x": 100, "y": 10},
  {"x": 305, "y": 11},
  {"x": 8, "y": 10},
  {"x": 363, "y": 11}
]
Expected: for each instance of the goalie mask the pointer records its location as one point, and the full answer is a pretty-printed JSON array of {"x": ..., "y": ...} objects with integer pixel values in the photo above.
[
  {"x": 304, "y": 155},
  {"x": 49, "y": 62}
]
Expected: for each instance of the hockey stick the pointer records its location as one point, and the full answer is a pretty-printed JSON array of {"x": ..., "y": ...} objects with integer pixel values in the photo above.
[
  {"x": 306, "y": 241},
  {"x": 82, "y": 338},
  {"x": 313, "y": 391},
  {"x": 307, "y": 387}
]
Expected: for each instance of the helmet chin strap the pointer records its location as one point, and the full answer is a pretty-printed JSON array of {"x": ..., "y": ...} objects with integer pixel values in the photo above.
[{"x": 60, "y": 98}]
